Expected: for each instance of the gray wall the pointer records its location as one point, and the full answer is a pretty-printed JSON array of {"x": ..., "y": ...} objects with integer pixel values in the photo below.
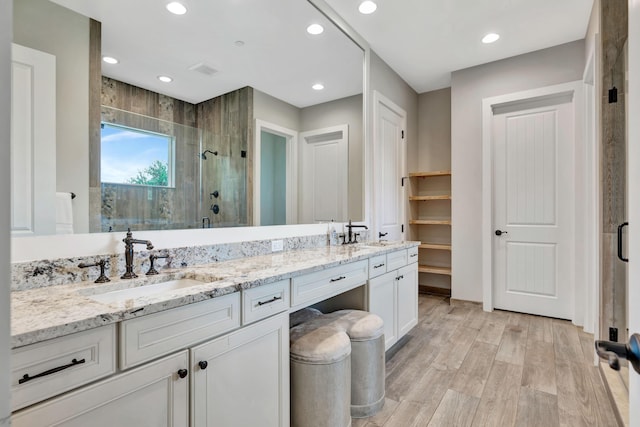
[
  {"x": 559, "y": 64},
  {"x": 346, "y": 110},
  {"x": 434, "y": 130},
  {"x": 45, "y": 26},
  {"x": 5, "y": 276},
  {"x": 273, "y": 110},
  {"x": 273, "y": 179},
  {"x": 386, "y": 81}
]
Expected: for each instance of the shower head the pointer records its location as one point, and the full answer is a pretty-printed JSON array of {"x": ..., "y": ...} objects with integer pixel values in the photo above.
[{"x": 203, "y": 155}]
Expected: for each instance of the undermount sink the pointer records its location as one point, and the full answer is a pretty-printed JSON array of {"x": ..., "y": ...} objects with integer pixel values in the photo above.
[{"x": 112, "y": 296}]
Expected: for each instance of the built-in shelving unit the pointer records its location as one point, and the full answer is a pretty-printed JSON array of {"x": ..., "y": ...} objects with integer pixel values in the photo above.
[{"x": 431, "y": 217}]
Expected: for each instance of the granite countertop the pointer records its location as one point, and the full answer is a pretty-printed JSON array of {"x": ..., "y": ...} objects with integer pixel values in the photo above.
[{"x": 54, "y": 311}]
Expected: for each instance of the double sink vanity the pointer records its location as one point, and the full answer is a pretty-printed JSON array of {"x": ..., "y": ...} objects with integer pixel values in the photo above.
[{"x": 201, "y": 345}]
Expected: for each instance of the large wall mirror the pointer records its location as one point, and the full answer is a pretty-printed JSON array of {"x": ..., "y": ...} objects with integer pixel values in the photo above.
[{"x": 261, "y": 122}]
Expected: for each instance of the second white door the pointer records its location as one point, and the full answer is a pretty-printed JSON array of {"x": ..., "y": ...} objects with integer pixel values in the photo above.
[{"x": 534, "y": 207}]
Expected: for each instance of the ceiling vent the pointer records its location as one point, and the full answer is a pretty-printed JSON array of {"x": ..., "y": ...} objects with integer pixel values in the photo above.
[{"x": 203, "y": 68}]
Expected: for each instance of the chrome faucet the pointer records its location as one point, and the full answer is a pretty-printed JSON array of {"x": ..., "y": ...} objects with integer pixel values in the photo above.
[
  {"x": 351, "y": 234},
  {"x": 129, "y": 241}
]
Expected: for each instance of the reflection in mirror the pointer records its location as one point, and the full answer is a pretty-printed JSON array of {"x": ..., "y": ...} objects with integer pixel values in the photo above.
[
  {"x": 149, "y": 173},
  {"x": 233, "y": 64}
]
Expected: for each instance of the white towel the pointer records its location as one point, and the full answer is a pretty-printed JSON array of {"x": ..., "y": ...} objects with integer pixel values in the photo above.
[{"x": 64, "y": 214}]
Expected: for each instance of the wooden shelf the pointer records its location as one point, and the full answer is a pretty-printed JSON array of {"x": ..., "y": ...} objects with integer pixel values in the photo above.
[
  {"x": 434, "y": 269},
  {"x": 428, "y": 174},
  {"x": 427, "y": 198},
  {"x": 434, "y": 290},
  {"x": 430, "y": 222},
  {"x": 438, "y": 246}
]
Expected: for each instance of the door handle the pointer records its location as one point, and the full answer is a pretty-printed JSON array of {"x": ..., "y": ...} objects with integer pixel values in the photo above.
[
  {"x": 612, "y": 351},
  {"x": 620, "y": 227},
  {"x": 381, "y": 235},
  {"x": 500, "y": 232}
]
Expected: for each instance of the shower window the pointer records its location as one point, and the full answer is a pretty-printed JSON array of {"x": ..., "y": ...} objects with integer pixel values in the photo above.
[{"x": 136, "y": 156}]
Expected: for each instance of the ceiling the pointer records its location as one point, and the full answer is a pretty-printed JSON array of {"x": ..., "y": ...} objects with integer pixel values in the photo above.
[
  {"x": 425, "y": 40},
  {"x": 277, "y": 57},
  {"x": 422, "y": 40}
]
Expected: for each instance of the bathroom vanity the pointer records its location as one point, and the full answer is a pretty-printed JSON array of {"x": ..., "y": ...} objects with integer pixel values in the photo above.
[{"x": 197, "y": 346}]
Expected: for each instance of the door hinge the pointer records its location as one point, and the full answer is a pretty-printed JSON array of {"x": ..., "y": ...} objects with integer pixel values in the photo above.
[
  {"x": 402, "y": 181},
  {"x": 402, "y": 228},
  {"x": 402, "y": 134}
]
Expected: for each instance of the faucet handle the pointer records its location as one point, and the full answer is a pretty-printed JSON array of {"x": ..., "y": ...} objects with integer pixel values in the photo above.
[
  {"x": 152, "y": 271},
  {"x": 102, "y": 263}
]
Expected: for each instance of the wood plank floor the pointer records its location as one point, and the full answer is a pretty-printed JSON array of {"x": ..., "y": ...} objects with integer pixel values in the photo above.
[{"x": 461, "y": 366}]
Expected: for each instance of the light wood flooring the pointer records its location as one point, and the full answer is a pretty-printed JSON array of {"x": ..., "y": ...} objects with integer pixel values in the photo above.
[{"x": 461, "y": 366}]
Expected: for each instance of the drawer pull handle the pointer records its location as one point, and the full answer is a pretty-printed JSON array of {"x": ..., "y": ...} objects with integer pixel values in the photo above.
[
  {"x": 203, "y": 364},
  {"x": 335, "y": 280},
  {"x": 26, "y": 377},
  {"x": 413, "y": 255},
  {"x": 399, "y": 277},
  {"x": 182, "y": 373},
  {"x": 269, "y": 301},
  {"x": 378, "y": 266}
]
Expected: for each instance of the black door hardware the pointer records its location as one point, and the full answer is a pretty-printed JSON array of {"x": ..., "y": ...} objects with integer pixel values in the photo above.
[
  {"x": 215, "y": 209},
  {"x": 612, "y": 351},
  {"x": 620, "y": 228},
  {"x": 26, "y": 377},
  {"x": 500, "y": 232},
  {"x": 269, "y": 301},
  {"x": 182, "y": 373},
  {"x": 203, "y": 364},
  {"x": 381, "y": 235}
]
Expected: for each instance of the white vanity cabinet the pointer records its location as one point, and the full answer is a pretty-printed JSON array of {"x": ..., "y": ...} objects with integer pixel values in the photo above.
[
  {"x": 394, "y": 295},
  {"x": 242, "y": 379},
  {"x": 155, "y": 394}
]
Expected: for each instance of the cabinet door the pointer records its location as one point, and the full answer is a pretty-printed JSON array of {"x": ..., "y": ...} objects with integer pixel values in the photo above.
[
  {"x": 407, "y": 298},
  {"x": 152, "y": 395},
  {"x": 383, "y": 302},
  {"x": 242, "y": 379}
]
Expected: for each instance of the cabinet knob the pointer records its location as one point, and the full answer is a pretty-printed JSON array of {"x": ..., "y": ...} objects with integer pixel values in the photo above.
[
  {"x": 203, "y": 364},
  {"x": 182, "y": 373}
]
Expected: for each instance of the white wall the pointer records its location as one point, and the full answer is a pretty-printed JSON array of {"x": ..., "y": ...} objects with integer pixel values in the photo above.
[
  {"x": 5, "y": 276},
  {"x": 559, "y": 64},
  {"x": 45, "y": 26}
]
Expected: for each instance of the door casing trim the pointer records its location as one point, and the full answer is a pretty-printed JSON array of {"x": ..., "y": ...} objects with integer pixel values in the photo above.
[{"x": 488, "y": 105}]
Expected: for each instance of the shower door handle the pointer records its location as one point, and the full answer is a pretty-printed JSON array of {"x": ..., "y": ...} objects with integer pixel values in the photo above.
[{"x": 620, "y": 227}]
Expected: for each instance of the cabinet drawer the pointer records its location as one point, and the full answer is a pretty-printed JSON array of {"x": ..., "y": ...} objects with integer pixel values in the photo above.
[
  {"x": 396, "y": 259},
  {"x": 152, "y": 395},
  {"x": 323, "y": 284},
  {"x": 263, "y": 301},
  {"x": 412, "y": 254},
  {"x": 377, "y": 265},
  {"x": 162, "y": 333},
  {"x": 94, "y": 352}
]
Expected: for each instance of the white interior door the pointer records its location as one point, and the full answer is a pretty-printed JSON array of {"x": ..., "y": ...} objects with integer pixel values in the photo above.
[
  {"x": 633, "y": 190},
  {"x": 33, "y": 142},
  {"x": 324, "y": 178},
  {"x": 533, "y": 207},
  {"x": 389, "y": 160}
]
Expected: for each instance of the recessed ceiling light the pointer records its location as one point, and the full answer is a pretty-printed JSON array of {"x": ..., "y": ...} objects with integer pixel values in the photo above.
[
  {"x": 239, "y": 43},
  {"x": 490, "y": 38},
  {"x": 315, "y": 29},
  {"x": 317, "y": 86},
  {"x": 165, "y": 79},
  {"x": 176, "y": 8},
  {"x": 367, "y": 7},
  {"x": 110, "y": 60}
]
